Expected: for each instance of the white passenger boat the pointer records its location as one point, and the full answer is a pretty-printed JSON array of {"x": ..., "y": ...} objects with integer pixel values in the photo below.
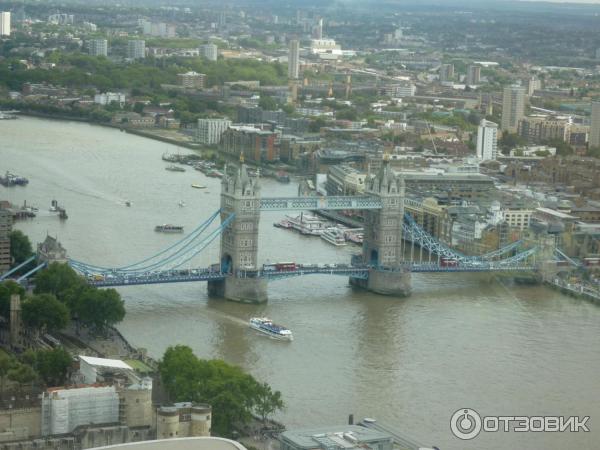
[
  {"x": 334, "y": 236},
  {"x": 266, "y": 326}
]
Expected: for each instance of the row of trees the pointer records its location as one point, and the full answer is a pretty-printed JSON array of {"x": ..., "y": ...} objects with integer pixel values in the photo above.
[
  {"x": 95, "y": 308},
  {"x": 61, "y": 295},
  {"x": 234, "y": 395},
  {"x": 77, "y": 70}
]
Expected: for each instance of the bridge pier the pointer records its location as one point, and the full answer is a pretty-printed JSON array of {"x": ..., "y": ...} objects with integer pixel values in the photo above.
[
  {"x": 243, "y": 290},
  {"x": 385, "y": 282}
]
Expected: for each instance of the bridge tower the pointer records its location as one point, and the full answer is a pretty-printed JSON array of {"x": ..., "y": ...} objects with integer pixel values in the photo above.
[
  {"x": 382, "y": 245},
  {"x": 240, "y": 195}
]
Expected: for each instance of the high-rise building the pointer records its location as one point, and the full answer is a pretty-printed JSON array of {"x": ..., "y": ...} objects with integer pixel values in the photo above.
[
  {"x": 595, "y": 125},
  {"x": 211, "y": 130},
  {"x": 4, "y": 23},
  {"x": 293, "y": 59},
  {"x": 487, "y": 140},
  {"x": 5, "y": 229},
  {"x": 513, "y": 107},
  {"x": 209, "y": 51},
  {"x": 136, "y": 49},
  {"x": 533, "y": 84},
  {"x": 446, "y": 72},
  {"x": 317, "y": 32},
  {"x": 473, "y": 75},
  {"x": 192, "y": 80},
  {"x": 98, "y": 47}
]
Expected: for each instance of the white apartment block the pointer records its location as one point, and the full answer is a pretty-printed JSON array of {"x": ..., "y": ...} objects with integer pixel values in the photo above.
[
  {"x": 211, "y": 130},
  {"x": 108, "y": 97},
  {"x": 209, "y": 52},
  {"x": 4, "y": 23},
  {"x": 487, "y": 140}
]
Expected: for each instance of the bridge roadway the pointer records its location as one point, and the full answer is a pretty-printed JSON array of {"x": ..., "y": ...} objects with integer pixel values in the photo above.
[
  {"x": 362, "y": 272},
  {"x": 319, "y": 203}
]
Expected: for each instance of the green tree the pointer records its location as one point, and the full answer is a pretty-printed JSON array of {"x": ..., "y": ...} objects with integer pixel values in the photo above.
[
  {"x": 52, "y": 365},
  {"x": 6, "y": 364},
  {"x": 20, "y": 247},
  {"x": 22, "y": 374},
  {"x": 562, "y": 148},
  {"x": 316, "y": 125},
  {"x": 45, "y": 312},
  {"x": 56, "y": 280},
  {"x": 233, "y": 394},
  {"x": 8, "y": 288},
  {"x": 510, "y": 141},
  {"x": 267, "y": 103},
  {"x": 267, "y": 401}
]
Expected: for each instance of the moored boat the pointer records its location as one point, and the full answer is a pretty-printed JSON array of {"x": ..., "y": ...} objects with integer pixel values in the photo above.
[
  {"x": 198, "y": 186},
  {"x": 266, "y": 326},
  {"x": 174, "y": 168},
  {"x": 168, "y": 228},
  {"x": 334, "y": 236},
  {"x": 307, "y": 224}
]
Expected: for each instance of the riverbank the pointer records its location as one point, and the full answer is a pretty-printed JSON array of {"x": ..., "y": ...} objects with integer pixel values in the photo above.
[
  {"x": 578, "y": 290},
  {"x": 161, "y": 135},
  {"x": 155, "y": 135}
]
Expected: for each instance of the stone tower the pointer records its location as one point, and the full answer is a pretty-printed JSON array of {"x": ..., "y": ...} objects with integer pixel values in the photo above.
[
  {"x": 240, "y": 196},
  {"x": 382, "y": 245}
]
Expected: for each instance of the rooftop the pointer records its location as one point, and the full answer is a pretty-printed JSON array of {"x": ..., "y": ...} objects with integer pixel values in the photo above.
[
  {"x": 195, "y": 443},
  {"x": 343, "y": 436},
  {"x": 104, "y": 362}
]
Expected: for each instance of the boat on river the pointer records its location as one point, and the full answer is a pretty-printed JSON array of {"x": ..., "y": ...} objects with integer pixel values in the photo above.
[
  {"x": 334, "y": 236},
  {"x": 266, "y": 326},
  {"x": 174, "y": 168},
  {"x": 168, "y": 228}
]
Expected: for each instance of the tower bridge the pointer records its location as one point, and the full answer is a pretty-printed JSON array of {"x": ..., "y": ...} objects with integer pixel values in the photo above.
[{"x": 381, "y": 267}]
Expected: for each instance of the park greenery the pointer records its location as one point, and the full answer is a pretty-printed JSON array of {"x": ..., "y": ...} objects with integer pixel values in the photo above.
[
  {"x": 80, "y": 71},
  {"x": 234, "y": 395}
]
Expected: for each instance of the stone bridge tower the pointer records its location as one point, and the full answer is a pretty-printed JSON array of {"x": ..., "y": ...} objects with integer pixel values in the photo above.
[
  {"x": 382, "y": 245},
  {"x": 240, "y": 195}
]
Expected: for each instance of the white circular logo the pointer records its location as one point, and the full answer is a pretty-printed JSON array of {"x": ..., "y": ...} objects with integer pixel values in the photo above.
[{"x": 465, "y": 423}]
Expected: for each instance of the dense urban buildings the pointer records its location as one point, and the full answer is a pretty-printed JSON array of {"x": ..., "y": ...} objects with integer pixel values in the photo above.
[{"x": 513, "y": 107}]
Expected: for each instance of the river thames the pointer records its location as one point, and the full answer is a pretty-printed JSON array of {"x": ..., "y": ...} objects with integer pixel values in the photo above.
[{"x": 459, "y": 341}]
